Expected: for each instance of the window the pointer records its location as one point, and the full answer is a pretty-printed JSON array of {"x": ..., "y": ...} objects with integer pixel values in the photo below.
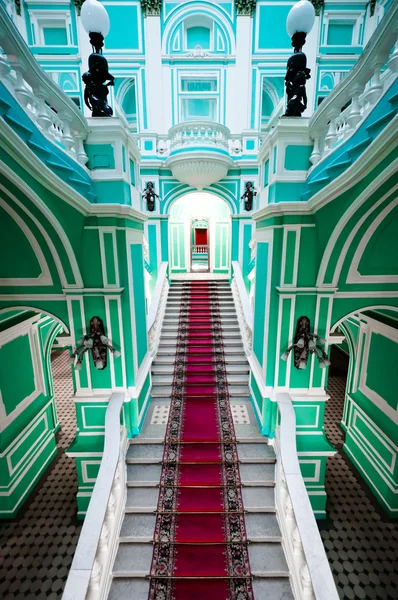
[
  {"x": 50, "y": 28},
  {"x": 198, "y": 36},
  {"x": 340, "y": 33},
  {"x": 198, "y": 98}
]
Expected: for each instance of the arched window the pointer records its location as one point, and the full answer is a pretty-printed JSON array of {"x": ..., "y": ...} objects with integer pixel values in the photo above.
[{"x": 198, "y": 36}]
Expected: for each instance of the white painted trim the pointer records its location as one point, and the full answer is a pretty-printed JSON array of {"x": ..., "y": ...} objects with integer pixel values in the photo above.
[
  {"x": 317, "y": 471},
  {"x": 45, "y": 276},
  {"x": 354, "y": 206},
  {"x": 85, "y": 477}
]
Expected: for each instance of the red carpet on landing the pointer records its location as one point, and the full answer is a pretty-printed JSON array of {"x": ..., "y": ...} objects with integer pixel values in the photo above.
[{"x": 200, "y": 545}]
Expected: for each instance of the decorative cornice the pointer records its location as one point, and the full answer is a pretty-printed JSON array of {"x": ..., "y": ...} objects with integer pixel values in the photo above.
[
  {"x": 245, "y": 7},
  {"x": 318, "y": 5},
  {"x": 151, "y": 7}
]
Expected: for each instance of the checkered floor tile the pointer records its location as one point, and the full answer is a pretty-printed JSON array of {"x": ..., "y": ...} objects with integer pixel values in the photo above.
[
  {"x": 240, "y": 414},
  {"x": 361, "y": 542},
  {"x": 37, "y": 547}
]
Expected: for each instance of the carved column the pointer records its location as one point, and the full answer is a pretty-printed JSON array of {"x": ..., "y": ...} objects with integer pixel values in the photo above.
[
  {"x": 153, "y": 67},
  {"x": 243, "y": 83}
]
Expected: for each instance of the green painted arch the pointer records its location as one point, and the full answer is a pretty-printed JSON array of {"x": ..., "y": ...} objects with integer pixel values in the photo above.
[
  {"x": 32, "y": 205},
  {"x": 343, "y": 308},
  {"x": 176, "y": 194},
  {"x": 351, "y": 228},
  {"x": 61, "y": 319}
]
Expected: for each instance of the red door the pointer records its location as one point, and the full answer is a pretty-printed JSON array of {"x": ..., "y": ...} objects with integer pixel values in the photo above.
[{"x": 200, "y": 237}]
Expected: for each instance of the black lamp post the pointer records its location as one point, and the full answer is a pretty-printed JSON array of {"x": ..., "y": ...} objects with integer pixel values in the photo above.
[
  {"x": 95, "y": 21},
  {"x": 299, "y": 22}
]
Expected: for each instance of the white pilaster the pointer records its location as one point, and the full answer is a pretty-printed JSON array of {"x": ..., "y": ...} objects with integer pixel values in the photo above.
[
  {"x": 311, "y": 52},
  {"x": 153, "y": 74},
  {"x": 243, "y": 88}
]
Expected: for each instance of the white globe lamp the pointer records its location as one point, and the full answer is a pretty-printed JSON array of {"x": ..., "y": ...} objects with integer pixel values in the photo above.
[{"x": 95, "y": 21}]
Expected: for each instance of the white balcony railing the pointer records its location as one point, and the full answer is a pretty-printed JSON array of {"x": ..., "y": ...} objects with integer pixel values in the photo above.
[
  {"x": 360, "y": 89},
  {"x": 199, "y": 249},
  {"x": 311, "y": 576},
  {"x": 90, "y": 574},
  {"x": 157, "y": 309},
  {"x": 199, "y": 133},
  {"x": 243, "y": 308},
  {"x": 47, "y": 105}
]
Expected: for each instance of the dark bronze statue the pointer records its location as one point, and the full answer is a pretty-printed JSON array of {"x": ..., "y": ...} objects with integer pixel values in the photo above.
[
  {"x": 150, "y": 195},
  {"x": 96, "y": 91},
  {"x": 248, "y": 195},
  {"x": 296, "y": 76}
]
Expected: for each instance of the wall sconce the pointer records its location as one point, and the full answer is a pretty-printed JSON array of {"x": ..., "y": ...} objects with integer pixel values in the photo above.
[
  {"x": 306, "y": 343},
  {"x": 97, "y": 342}
]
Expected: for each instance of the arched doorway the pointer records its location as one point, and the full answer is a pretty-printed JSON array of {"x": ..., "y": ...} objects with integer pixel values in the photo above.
[{"x": 200, "y": 234}]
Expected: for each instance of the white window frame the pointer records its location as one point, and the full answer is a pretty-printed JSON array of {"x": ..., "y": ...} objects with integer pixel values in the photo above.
[
  {"x": 199, "y": 75},
  {"x": 44, "y": 19},
  {"x": 354, "y": 17}
]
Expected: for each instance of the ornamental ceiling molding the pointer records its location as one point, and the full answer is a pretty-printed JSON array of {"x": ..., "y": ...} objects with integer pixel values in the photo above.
[{"x": 151, "y": 8}]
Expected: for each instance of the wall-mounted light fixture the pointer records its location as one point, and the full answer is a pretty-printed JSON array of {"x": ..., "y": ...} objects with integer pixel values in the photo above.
[
  {"x": 306, "y": 343},
  {"x": 299, "y": 23},
  {"x": 97, "y": 342},
  {"x": 95, "y": 21}
]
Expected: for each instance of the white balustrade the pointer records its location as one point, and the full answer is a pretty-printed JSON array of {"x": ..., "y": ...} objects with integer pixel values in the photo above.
[
  {"x": 90, "y": 574},
  {"x": 358, "y": 91},
  {"x": 311, "y": 576},
  {"x": 243, "y": 308},
  {"x": 46, "y": 104},
  {"x": 200, "y": 249},
  {"x": 157, "y": 309},
  {"x": 199, "y": 133}
]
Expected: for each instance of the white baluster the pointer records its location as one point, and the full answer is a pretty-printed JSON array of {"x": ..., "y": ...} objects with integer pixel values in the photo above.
[
  {"x": 67, "y": 138},
  {"x": 305, "y": 578},
  {"x": 21, "y": 91},
  {"x": 355, "y": 116},
  {"x": 316, "y": 153},
  {"x": 43, "y": 118},
  {"x": 4, "y": 66},
  {"x": 376, "y": 88},
  {"x": 95, "y": 580},
  {"x": 331, "y": 135},
  {"x": 393, "y": 61},
  {"x": 79, "y": 148}
]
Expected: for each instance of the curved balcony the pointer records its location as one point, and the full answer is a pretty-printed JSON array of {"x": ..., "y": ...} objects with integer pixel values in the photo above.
[{"x": 199, "y": 154}]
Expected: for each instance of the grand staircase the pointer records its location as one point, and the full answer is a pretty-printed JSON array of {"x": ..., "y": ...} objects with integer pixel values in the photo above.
[{"x": 132, "y": 565}]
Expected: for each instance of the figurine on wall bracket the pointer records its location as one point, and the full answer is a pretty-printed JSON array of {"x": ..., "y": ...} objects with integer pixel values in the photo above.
[
  {"x": 306, "y": 343},
  {"x": 150, "y": 195},
  {"x": 248, "y": 195},
  {"x": 97, "y": 342}
]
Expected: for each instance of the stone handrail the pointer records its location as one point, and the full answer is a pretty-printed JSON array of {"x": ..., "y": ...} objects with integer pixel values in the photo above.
[
  {"x": 310, "y": 571},
  {"x": 90, "y": 574},
  {"x": 275, "y": 115},
  {"x": 199, "y": 133},
  {"x": 361, "y": 88},
  {"x": 157, "y": 308},
  {"x": 243, "y": 308},
  {"x": 47, "y": 105}
]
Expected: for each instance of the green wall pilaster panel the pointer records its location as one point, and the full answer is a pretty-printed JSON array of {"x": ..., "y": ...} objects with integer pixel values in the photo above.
[
  {"x": 139, "y": 301},
  {"x": 115, "y": 326},
  {"x": 260, "y": 300},
  {"x": 109, "y": 258}
]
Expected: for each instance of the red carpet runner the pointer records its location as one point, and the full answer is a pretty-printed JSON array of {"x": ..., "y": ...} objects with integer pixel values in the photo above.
[{"x": 200, "y": 549}]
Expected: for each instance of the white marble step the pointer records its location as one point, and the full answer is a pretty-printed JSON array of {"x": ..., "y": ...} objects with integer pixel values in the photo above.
[
  {"x": 227, "y": 334},
  {"x": 226, "y": 327},
  {"x": 228, "y": 342},
  {"x": 167, "y": 379},
  {"x": 170, "y": 350},
  {"x": 225, "y": 320},
  {"x": 164, "y": 391},
  {"x": 231, "y": 360},
  {"x": 270, "y": 588},
  {"x": 159, "y": 368}
]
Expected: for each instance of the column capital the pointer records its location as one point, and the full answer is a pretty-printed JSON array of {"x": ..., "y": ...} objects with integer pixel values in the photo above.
[{"x": 151, "y": 8}]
